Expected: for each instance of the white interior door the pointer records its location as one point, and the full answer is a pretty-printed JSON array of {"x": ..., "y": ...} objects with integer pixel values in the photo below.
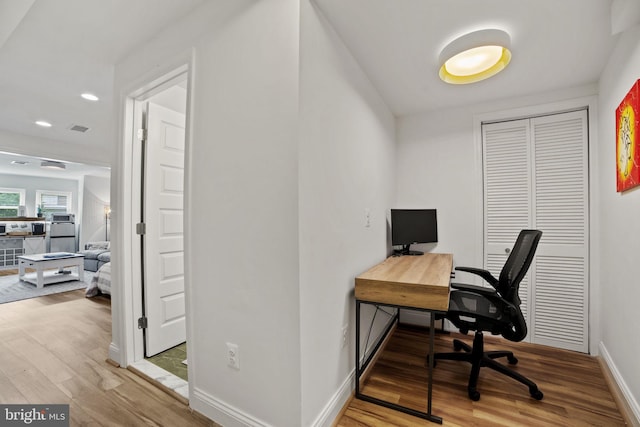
[
  {"x": 536, "y": 176},
  {"x": 163, "y": 238}
]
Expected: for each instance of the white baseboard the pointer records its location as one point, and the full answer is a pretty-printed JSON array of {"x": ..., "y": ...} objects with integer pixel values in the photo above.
[
  {"x": 114, "y": 354},
  {"x": 333, "y": 408},
  {"x": 631, "y": 402},
  {"x": 221, "y": 412}
]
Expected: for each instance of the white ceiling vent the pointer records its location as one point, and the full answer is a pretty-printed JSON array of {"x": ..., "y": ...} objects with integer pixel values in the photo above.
[{"x": 79, "y": 128}]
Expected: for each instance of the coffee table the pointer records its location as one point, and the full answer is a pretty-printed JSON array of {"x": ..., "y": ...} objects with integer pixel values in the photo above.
[{"x": 45, "y": 264}]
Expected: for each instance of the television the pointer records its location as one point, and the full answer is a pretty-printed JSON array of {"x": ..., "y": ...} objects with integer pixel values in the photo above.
[{"x": 409, "y": 226}]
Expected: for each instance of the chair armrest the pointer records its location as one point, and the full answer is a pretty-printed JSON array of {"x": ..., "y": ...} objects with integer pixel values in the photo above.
[
  {"x": 485, "y": 274},
  {"x": 486, "y": 292}
]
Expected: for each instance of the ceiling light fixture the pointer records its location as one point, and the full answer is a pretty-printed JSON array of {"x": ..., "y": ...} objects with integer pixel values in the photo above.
[
  {"x": 43, "y": 124},
  {"x": 475, "y": 56},
  {"x": 89, "y": 96},
  {"x": 50, "y": 164}
]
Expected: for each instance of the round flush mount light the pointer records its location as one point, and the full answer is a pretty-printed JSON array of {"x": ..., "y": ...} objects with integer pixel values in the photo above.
[
  {"x": 43, "y": 123},
  {"x": 89, "y": 96},
  {"x": 475, "y": 56}
]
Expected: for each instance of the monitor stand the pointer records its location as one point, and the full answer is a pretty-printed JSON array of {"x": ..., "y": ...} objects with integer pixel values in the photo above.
[{"x": 406, "y": 251}]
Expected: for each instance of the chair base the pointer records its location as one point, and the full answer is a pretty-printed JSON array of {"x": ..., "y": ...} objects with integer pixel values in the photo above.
[{"x": 479, "y": 358}]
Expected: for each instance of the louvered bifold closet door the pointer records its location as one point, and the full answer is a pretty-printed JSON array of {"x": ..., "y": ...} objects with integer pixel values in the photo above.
[
  {"x": 507, "y": 189},
  {"x": 560, "y": 193}
]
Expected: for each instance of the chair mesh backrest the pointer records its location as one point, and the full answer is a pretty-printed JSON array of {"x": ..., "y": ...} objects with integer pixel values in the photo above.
[{"x": 518, "y": 264}]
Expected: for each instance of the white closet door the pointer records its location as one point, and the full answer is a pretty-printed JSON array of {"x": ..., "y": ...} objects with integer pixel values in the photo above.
[
  {"x": 507, "y": 189},
  {"x": 560, "y": 300},
  {"x": 536, "y": 176}
]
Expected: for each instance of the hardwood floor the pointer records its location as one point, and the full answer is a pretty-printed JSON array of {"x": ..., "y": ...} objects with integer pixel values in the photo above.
[
  {"x": 53, "y": 349},
  {"x": 575, "y": 392}
]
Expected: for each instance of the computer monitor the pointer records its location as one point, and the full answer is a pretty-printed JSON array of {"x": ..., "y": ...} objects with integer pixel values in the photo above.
[{"x": 409, "y": 226}]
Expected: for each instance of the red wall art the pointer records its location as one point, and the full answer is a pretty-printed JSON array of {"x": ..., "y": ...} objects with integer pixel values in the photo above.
[{"x": 627, "y": 144}]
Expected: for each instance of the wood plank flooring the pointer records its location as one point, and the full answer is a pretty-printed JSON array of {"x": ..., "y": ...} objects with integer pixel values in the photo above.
[
  {"x": 53, "y": 349},
  {"x": 575, "y": 392}
]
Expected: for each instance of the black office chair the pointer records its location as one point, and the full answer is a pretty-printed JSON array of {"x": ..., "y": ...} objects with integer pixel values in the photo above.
[{"x": 497, "y": 310}]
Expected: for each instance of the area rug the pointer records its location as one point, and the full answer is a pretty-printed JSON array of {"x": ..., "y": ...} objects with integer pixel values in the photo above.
[{"x": 12, "y": 289}]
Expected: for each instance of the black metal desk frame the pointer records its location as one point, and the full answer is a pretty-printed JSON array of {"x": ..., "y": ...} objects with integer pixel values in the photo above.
[{"x": 428, "y": 415}]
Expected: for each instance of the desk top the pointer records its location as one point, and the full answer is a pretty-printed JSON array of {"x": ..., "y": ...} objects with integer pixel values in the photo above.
[{"x": 408, "y": 281}]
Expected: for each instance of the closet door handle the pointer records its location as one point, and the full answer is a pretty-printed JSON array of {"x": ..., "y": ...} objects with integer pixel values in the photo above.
[{"x": 507, "y": 250}]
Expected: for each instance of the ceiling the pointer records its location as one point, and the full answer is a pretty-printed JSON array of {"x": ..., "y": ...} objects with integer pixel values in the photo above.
[
  {"x": 555, "y": 44},
  {"x": 52, "y": 51}
]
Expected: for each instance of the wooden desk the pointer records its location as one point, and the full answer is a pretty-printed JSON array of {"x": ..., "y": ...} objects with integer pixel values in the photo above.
[{"x": 413, "y": 282}]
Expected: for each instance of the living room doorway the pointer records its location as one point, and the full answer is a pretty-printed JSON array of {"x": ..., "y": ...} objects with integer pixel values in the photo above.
[{"x": 77, "y": 193}]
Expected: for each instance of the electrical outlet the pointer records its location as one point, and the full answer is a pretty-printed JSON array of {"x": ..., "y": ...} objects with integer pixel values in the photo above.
[
  {"x": 345, "y": 335},
  {"x": 233, "y": 356}
]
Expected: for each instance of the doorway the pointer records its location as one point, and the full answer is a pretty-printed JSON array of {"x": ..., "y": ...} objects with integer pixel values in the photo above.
[{"x": 157, "y": 187}]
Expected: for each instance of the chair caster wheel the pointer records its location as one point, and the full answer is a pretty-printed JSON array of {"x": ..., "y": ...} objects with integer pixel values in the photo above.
[
  {"x": 536, "y": 394},
  {"x": 474, "y": 395},
  {"x": 512, "y": 360}
]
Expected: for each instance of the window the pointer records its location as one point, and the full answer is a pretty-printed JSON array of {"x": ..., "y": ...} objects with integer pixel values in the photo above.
[
  {"x": 50, "y": 202},
  {"x": 10, "y": 200}
]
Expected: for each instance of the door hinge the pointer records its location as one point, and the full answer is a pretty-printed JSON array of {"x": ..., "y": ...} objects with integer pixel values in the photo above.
[
  {"x": 141, "y": 228},
  {"x": 142, "y": 134},
  {"x": 142, "y": 323}
]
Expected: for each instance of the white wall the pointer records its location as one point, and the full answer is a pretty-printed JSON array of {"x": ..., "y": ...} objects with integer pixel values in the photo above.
[
  {"x": 173, "y": 98},
  {"x": 439, "y": 165},
  {"x": 620, "y": 228},
  {"x": 347, "y": 157},
  {"x": 436, "y": 168},
  {"x": 244, "y": 208},
  {"x": 241, "y": 214}
]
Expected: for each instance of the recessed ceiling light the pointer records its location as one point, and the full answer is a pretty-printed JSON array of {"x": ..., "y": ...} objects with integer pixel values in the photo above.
[
  {"x": 475, "y": 56},
  {"x": 43, "y": 124},
  {"x": 89, "y": 96}
]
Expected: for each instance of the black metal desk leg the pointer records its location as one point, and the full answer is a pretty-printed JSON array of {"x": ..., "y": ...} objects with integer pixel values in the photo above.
[
  {"x": 358, "y": 373},
  {"x": 432, "y": 333}
]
